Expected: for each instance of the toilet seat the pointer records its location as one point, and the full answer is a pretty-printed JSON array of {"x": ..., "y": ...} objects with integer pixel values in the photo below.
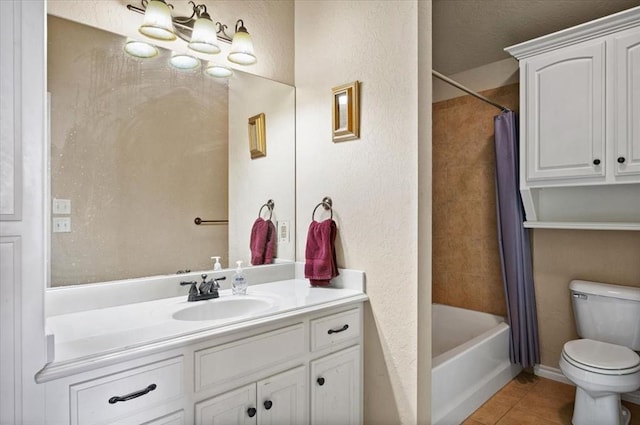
[{"x": 601, "y": 357}]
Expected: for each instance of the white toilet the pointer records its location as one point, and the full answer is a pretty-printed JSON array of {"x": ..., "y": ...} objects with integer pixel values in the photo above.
[{"x": 604, "y": 363}]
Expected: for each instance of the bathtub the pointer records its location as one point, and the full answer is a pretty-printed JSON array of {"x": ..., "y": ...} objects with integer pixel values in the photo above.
[{"x": 470, "y": 361}]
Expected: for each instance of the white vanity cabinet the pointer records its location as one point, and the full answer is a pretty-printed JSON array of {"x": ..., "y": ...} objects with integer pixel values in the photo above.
[
  {"x": 580, "y": 125},
  {"x": 278, "y": 400},
  {"x": 335, "y": 388},
  {"x": 300, "y": 369}
]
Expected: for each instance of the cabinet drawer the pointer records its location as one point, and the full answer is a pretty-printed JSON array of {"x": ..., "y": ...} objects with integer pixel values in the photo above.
[
  {"x": 94, "y": 402},
  {"x": 246, "y": 356},
  {"x": 334, "y": 329}
]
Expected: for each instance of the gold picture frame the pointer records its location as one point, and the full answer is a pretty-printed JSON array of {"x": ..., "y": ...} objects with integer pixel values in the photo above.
[
  {"x": 346, "y": 112},
  {"x": 257, "y": 136}
]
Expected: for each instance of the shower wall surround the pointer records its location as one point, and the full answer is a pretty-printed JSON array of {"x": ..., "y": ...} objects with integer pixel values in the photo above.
[{"x": 466, "y": 263}]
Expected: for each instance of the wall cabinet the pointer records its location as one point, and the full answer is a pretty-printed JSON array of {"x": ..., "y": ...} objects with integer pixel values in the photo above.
[
  {"x": 580, "y": 125},
  {"x": 296, "y": 371}
]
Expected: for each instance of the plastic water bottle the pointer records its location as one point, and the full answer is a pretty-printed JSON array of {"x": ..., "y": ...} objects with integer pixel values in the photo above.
[{"x": 239, "y": 284}]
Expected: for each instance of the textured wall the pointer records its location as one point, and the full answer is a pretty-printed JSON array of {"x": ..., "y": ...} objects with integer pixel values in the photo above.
[
  {"x": 140, "y": 149},
  {"x": 466, "y": 262},
  {"x": 562, "y": 255},
  {"x": 373, "y": 181}
]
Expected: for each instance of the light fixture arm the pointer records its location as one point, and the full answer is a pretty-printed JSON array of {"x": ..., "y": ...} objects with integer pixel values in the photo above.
[{"x": 184, "y": 24}]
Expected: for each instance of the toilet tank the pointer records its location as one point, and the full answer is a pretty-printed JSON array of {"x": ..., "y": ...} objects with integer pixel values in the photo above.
[{"x": 608, "y": 313}]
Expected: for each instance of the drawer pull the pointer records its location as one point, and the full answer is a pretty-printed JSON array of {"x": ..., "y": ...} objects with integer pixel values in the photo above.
[
  {"x": 621, "y": 160},
  {"x": 320, "y": 381},
  {"x": 251, "y": 412},
  {"x": 115, "y": 399},
  {"x": 342, "y": 329},
  {"x": 268, "y": 404}
]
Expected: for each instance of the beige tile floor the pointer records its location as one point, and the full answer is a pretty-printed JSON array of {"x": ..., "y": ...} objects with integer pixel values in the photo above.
[{"x": 532, "y": 400}]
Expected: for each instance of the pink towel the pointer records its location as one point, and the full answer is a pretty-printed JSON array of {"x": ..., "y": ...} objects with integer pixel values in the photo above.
[
  {"x": 320, "y": 266},
  {"x": 263, "y": 242}
]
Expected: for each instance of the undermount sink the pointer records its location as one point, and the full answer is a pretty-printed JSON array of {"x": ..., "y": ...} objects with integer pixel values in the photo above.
[{"x": 223, "y": 308}]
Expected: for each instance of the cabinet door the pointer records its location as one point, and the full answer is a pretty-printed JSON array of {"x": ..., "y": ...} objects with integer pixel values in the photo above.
[
  {"x": 626, "y": 65},
  {"x": 565, "y": 112},
  {"x": 282, "y": 398},
  {"x": 237, "y": 407},
  {"x": 335, "y": 388}
]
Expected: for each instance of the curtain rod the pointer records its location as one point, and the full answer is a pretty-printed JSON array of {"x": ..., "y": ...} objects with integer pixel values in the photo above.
[{"x": 471, "y": 92}]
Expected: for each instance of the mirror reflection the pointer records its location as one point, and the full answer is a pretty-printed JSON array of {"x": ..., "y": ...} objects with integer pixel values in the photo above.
[{"x": 139, "y": 149}]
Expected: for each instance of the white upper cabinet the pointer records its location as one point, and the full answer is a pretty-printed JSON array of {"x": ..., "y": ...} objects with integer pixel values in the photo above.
[
  {"x": 565, "y": 104},
  {"x": 580, "y": 125},
  {"x": 626, "y": 91}
]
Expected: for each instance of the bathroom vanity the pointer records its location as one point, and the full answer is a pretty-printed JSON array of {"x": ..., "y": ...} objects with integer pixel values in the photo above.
[{"x": 284, "y": 354}]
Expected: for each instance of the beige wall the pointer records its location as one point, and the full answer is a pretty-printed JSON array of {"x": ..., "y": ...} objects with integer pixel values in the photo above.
[
  {"x": 466, "y": 261},
  {"x": 140, "y": 149},
  {"x": 562, "y": 255},
  {"x": 373, "y": 181}
]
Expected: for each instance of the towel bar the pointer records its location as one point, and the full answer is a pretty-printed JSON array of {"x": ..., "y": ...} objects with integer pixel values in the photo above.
[
  {"x": 200, "y": 221},
  {"x": 327, "y": 204},
  {"x": 270, "y": 205}
]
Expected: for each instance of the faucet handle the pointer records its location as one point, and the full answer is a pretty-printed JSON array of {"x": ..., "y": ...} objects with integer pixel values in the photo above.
[
  {"x": 216, "y": 284},
  {"x": 204, "y": 277}
]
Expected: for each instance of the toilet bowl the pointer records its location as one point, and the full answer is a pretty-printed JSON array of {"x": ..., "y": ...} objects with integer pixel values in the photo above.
[
  {"x": 604, "y": 363},
  {"x": 601, "y": 372}
]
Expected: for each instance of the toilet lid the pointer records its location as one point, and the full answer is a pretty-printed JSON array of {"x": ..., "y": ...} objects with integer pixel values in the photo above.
[{"x": 602, "y": 355}]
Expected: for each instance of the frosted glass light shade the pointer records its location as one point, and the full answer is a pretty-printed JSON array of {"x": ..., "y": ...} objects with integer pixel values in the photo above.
[
  {"x": 157, "y": 21},
  {"x": 203, "y": 38},
  {"x": 242, "y": 48},
  {"x": 184, "y": 61},
  {"x": 140, "y": 49},
  {"x": 218, "y": 71}
]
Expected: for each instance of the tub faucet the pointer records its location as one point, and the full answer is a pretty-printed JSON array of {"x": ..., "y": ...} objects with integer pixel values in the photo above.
[{"x": 206, "y": 291}]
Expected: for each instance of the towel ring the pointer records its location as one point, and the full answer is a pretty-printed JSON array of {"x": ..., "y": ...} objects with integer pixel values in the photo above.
[
  {"x": 270, "y": 205},
  {"x": 327, "y": 204}
]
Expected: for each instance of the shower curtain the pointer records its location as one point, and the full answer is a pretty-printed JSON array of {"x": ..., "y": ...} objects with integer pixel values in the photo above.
[{"x": 515, "y": 249}]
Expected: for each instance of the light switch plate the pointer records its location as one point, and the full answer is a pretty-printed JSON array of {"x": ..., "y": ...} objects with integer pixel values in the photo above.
[
  {"x": 61, "y": 224},
  {"x": 283, "y": 231},
  {"x": 61, "y": 206}
]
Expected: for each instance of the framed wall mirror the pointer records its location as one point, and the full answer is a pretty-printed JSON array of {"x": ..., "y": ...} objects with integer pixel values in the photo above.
[
  {"x": 139, "y": 149},
  {"x": 346, "y": 112}
]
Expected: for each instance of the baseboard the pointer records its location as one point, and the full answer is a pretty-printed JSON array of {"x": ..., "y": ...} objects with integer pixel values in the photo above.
[{"x": 556, "y": 374}]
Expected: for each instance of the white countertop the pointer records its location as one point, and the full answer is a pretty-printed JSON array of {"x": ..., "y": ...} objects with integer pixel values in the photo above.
[{"x": 86, "y": 339}]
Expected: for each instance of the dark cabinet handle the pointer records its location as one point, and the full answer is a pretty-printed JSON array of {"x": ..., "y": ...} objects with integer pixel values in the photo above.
[
  {"x": 320, "y": 381},
  {"x": 342, "y": 329},
  {"x": 268, "y": 404},
  {"x": 136, "y": 394},
  {"x": 621, "y": 160},
  {"x": 251, "y": 412},
  {"x": 596, "y": 161}
]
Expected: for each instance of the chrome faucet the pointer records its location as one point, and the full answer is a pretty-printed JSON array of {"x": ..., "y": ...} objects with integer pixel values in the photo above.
[{"x": 206, "y": 291}]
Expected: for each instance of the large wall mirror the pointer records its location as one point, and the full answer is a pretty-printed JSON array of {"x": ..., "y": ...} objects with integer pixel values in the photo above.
[{"x": 140, "y": 149}]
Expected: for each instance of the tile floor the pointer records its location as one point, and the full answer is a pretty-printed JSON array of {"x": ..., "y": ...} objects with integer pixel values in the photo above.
[{"x": 532, "y": 400}]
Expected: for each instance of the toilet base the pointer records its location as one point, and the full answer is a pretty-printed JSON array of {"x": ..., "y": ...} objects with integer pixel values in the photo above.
[{"x": 601, "y": 410}]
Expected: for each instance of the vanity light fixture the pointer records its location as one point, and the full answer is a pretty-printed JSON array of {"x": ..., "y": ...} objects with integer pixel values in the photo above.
[
  {"x": 184, "y": 61},
  {"x": 140, "y": 49},
  {"x": 218, "y": 71},
  {"x": 242, "y": 46},
  {"x": 204, "y": 38},
  {"x": 200, "y": 31},
  {"x": 157, "y": 22}
]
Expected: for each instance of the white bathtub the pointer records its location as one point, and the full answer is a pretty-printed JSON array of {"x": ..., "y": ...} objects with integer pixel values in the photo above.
[{"x": 470, "y": 361}]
